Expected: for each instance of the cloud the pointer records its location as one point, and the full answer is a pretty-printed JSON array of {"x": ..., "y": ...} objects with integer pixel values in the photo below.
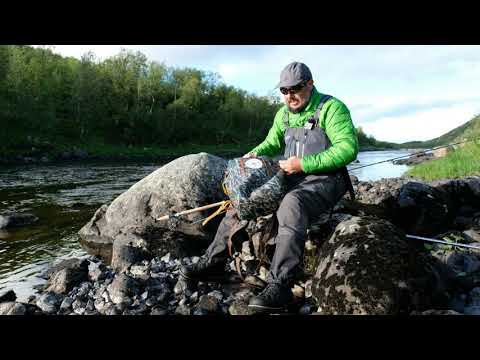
[{"x": 422, "y": 125}]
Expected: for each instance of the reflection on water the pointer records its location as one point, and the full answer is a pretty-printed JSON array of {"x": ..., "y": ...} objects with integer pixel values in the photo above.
[{"x": 65, "y": 197}]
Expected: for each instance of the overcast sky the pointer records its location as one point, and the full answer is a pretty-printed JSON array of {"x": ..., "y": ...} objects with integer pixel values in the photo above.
[{"x": 396, "y": 93}]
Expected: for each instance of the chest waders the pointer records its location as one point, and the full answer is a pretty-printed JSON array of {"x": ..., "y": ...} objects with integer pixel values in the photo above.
[
  {"x": 309, "y": 196},
  {"x": 311, "y": 139}
]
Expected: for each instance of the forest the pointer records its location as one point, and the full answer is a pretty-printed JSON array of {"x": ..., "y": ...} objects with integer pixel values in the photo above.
[{"x": 50, "y": 103}]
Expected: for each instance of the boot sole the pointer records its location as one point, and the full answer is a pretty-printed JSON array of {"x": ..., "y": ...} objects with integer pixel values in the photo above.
[
  {"x": 267, "y": 308},
  {"x": 212, "y": 278}
]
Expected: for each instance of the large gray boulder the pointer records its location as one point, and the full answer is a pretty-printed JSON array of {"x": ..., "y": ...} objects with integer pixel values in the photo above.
[
  {"x": 368, "y": 267},
  {"x": 188, "y": 182}
]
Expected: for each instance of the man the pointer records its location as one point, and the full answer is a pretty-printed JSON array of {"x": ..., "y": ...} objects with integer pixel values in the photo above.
[{"x": 319, "y": 140}]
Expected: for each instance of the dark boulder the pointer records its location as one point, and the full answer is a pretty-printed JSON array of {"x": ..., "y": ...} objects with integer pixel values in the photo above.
[
  {"x": 6, "y": 296},
  {"x": 463, "y": 192},
  {"x": 421, "y": 209},
  {"x": 368, "y": 267}
]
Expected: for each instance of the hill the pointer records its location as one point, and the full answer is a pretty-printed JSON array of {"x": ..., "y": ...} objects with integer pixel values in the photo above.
[{"x": 469, "y": 130}]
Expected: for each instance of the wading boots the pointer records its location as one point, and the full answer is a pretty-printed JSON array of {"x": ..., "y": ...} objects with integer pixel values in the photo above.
[
  {"x": 275, "y": 297},
  {"x": 204, "y": 270}
]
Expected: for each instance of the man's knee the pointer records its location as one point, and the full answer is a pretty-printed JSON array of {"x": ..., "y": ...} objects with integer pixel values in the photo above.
[{"x": 291, "y": 213}]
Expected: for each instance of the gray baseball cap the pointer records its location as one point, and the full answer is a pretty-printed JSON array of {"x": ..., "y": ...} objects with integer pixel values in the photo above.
[{"x": 293, "y": 74}]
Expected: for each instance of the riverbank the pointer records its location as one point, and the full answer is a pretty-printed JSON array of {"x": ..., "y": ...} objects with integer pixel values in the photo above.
[
  {"x": 48, "y": 154},
  {"x": 112, "y": 153},
  {"x": 384, "y": 211}
]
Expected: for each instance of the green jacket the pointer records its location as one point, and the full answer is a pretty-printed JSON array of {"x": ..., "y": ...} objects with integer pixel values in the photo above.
[{"x": 334, "y": 119}]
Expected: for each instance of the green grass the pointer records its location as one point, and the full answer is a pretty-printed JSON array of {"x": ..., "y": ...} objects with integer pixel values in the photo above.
[{"x": 462, "y": 162}]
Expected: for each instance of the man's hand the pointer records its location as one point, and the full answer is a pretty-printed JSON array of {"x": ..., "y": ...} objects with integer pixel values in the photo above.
[
  {"x": 292, "y": 165},
  {"x": 249, "y": 155}
]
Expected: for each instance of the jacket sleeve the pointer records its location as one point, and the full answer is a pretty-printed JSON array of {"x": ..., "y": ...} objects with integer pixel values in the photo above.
[
  {"x": 273, "y": 143},
  {"x": 344, "y": 142}
]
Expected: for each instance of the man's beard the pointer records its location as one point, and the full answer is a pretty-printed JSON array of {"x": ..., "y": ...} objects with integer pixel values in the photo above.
[{"x": 300, "y": 109}]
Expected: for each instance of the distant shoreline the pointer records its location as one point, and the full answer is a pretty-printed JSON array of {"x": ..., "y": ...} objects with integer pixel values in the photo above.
[{"x": 125, "y": 154}]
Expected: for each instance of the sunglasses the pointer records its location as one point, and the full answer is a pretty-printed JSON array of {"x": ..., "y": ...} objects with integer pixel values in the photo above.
[{"x": 293, "y": 89}]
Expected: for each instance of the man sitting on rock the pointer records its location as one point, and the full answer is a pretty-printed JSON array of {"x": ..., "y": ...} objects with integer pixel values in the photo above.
[{"x": 319, "y": 140}]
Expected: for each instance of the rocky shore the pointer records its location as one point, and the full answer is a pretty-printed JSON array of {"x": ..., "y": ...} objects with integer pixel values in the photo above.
[{"x": 357, "y": 261}]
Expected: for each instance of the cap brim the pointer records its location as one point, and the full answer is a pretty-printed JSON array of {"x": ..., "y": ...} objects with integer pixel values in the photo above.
[{"x": 287, "y": 84}]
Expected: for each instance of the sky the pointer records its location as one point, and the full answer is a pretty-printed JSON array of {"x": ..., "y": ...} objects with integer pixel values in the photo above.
[{"x": 396, "y": 93}]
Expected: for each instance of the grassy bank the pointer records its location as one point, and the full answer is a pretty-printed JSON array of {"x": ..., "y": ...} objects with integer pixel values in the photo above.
[{"x": 462, "y": 162}]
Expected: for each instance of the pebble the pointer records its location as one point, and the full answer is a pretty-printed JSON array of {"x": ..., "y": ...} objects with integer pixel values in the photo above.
[
  {"x": 216, "y": 294},
  {"x": 182, "y": 310},
  {"x": 152, "y": 301},
  {"x": 159, "y": 311},
  {"x": 209, "y": 303},
  {"x": 194, "y": 297},
  {"x": 306, "y": 309},
  {"x": 308, "y": 289},
  {"x": 200, "y": 311},
  {"x": 49, "y": 302},
  {"x": 66, "y": 303},
  {"x": 166, "y": 258}
]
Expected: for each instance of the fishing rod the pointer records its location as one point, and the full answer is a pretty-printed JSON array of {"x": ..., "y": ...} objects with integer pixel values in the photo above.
[
  {"x": 223, "y": 204},
  {"x": 416, "y": 153},
  {"x": 442, "y": 242}
]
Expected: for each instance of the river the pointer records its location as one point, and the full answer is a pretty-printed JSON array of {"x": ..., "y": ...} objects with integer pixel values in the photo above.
[{"x": 64, "y": 197}]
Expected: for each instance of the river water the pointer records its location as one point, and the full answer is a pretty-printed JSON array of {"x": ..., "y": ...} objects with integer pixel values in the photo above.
[{"x": 65, "y": 197}]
